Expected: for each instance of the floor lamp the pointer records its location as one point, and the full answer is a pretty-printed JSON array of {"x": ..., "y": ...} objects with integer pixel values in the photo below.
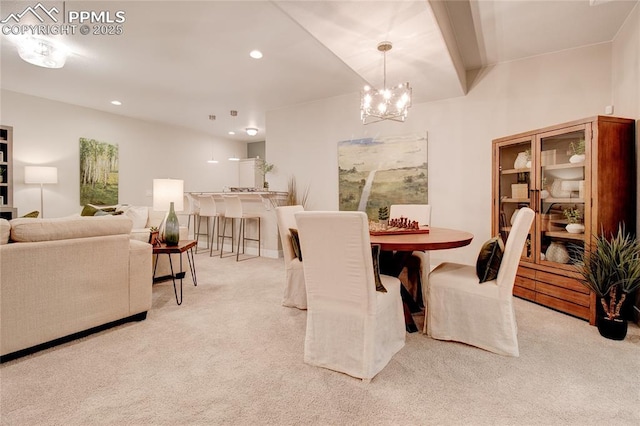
[{"x": 41, "y": 175}]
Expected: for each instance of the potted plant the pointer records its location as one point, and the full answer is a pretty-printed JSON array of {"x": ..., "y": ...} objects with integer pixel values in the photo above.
[
  {"x": 611, "y": 269},
  {"x": 578, "y": 149},
  {"x": 265, "y": 168},
  {"x": 153, "y": 236},
  {"x": 574, "y": 217}
]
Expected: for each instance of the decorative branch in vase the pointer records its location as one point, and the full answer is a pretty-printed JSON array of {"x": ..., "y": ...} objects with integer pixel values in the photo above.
[{"x": 265, "y": 168}]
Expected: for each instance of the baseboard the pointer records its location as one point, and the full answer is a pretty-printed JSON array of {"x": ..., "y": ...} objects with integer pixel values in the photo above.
[{"x": 28, "y": 351}]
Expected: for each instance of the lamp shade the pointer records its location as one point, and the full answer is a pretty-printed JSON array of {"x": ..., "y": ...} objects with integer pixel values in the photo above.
[
  {"x": 40, "y": 174},
  {"x": 166, "y": 191}
]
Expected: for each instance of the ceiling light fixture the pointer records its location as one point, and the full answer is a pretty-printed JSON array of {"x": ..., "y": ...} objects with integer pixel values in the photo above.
[
  {"x": 251, "y": 131},
  {"x": 255, "y": 54},
  {"x": 43, "y": 53},
  {"x": 234, "y": 159},
  {"x": 116, "y": 103},
  {"x": 386, "y": 104},
  {"x": 232, "y": 132},
  {"x": 212, "y": 161}
]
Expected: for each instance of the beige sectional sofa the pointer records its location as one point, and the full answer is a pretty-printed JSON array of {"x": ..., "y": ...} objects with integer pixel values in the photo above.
[
  {"x": 143, "y": 218},
  {"x": 59, "y": 277}
]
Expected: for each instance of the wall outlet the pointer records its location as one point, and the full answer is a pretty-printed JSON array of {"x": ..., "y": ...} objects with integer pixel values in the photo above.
[{"x": 608, "y": 109}]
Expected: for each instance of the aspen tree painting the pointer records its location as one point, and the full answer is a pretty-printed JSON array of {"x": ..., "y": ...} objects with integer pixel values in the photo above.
[
  {"x": 98, "y": 172},
  {"x": 374, "y": 172}
]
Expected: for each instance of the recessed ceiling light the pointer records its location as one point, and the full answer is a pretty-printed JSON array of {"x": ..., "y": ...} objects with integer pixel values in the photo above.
[
  {"x": 232, "y": 133},
  {"x": 116, "y": 103},
  {"x": 255, "y": 54},
  {"x": 251, "y": 131}
]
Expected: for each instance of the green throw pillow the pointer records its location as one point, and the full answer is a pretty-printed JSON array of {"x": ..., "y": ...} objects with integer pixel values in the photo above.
[
  {"x": 489, "y": 259},
  {"x": 89, "y": 210},
  {"x": 295, "y": 242},
  {"x": 375, "y": 256},
  {"x": 107, "y": 212},
  {"x": 33, "y": 214}
]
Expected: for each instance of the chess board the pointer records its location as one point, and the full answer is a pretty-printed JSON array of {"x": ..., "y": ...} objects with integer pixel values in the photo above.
[{"x": 391, "y": 230}]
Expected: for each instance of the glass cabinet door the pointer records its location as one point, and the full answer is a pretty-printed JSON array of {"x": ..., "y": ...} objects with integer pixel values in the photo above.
[
  {"x": 562, "y": 195},
  {"x": 514, "y": 185}
]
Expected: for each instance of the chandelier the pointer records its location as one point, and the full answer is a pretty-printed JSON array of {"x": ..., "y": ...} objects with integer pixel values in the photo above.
[{"x": 386, "y": 104}]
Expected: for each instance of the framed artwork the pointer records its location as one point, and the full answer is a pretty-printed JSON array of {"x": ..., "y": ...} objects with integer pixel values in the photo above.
[
  {"x": 98, "y": 172},
  {"x": 380, "y": 171}
]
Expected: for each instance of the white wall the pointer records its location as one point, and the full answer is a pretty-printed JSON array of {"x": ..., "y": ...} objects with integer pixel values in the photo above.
[
  {"x": 626, "y": 79},
  {"x": 48, "y": 132},
  {"x": 502, "y": 100}
]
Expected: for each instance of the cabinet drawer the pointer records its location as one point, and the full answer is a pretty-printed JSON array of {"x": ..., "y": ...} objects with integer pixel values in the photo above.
[
  {"x": 524, "y": 293},
  {"x": 526, "y": 272},
  {"x": 565, "y": 282},
  {"x": 563, "y": 306},
  {"x": 563, "y": 294},
  {"x": 525, "y": 282}
]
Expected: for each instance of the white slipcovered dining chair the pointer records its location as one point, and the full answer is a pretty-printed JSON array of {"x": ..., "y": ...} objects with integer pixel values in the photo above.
[
  {"x": 462, "y": 309},
  {"x": 295, "y": 292},
  {"x": 351, "y": 327},
  {"x": 422, "y": 214}
]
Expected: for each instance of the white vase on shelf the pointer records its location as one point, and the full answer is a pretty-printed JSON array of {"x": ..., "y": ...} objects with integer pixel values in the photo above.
[
  {"x": 557, "y": 252},
  {"x": 575, "y": 228},
  {"x": 521, "y": 161},
  {"x": 577, "y": 158}
]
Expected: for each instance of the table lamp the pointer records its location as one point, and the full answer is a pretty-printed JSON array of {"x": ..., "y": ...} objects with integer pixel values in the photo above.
[
  {"x": 41, "y": 175},
  {"x": 168, "y": 196}
]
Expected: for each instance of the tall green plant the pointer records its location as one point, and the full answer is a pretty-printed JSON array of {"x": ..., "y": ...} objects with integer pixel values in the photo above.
[{"x": 611, "y": 269}]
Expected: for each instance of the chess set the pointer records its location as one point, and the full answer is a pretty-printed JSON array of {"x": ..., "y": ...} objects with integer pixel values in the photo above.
[{"x": 397, "y": 226}]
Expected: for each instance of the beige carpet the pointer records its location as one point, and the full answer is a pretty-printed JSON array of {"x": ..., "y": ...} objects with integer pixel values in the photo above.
[{"x": 232, "y": 355}]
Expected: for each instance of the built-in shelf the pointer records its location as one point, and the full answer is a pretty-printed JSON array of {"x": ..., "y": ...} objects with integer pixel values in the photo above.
[
  {"x": 563, "y": 166},
  {"x": 564, "y": 235},
  {"x": 568, "y": 200},
  {"x": 516, "y": 200},
  {"x": 515, "y": 171}
]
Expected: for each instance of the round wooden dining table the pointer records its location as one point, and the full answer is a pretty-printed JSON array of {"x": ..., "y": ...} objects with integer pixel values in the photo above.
[{"x": 436, "y": 239}]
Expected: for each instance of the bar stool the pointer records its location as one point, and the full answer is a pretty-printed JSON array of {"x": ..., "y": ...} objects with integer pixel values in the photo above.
[
  {"x": 208, "y": 211},
  {"x": 190, "y": 209},
  {"x": 233, "y": 210},
  {"x": 220, "y": 213}
]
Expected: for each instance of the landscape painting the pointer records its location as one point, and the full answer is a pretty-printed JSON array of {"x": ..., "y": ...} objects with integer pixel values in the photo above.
[
  {"x": 380, "y": 171},
  {"x": 98, "y": 172}
]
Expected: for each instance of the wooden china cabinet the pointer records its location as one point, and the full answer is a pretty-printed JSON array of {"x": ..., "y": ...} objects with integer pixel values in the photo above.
[{"x": 585, "y": 167}]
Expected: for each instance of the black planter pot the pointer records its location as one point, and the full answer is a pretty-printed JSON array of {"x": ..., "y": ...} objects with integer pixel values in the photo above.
[{"x": 615, "y": 329}]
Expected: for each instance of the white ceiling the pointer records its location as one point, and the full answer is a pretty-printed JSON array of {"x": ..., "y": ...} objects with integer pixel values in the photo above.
[{"x": 178, "y": 62}]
